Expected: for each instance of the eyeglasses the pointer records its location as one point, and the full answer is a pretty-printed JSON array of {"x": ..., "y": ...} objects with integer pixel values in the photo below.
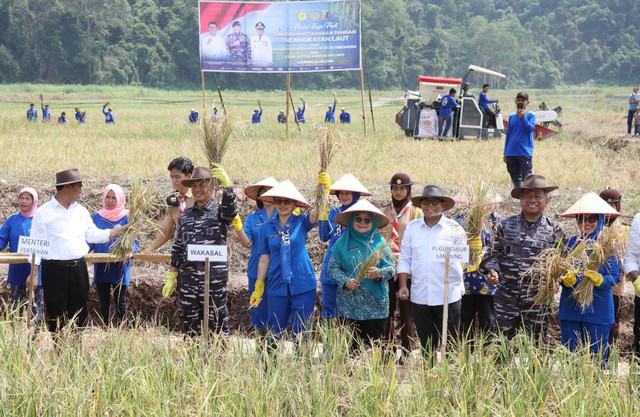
[
  {"x": 431, "y": 201},
  {"x": 365, "y": 220},
  {"x": 283, "y": 201},
  {"x": 588, "y": 219}
]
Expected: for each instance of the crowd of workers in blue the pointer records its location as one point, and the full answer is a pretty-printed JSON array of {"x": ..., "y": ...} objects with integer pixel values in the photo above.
[{"x": 80, "y": 116}]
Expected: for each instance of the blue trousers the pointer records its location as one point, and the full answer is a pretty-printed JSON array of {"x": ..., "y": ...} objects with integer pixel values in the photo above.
[
  {"x": 258, "y": 314},
  {"x": 293, "y": 311},
  {"x": 441, "y": 120},
  {"x": 329, "y": 307},
  {"x": 576, "y": 334}
]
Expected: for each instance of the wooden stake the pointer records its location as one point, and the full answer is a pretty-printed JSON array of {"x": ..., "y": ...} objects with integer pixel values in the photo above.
[
  {"x": 224, "y": 109},
  {"x": 287, "y": 108},
  {"x": 445, "y": 305},
  {"x": 295, "y": 116},
  {"x": 207, "y": 296},
  {"x": 366, "y": 67},
  {"x": 32, "y": 276},
  {"x": 204, "y": 100},
  {"x": 364, "y": 114}
]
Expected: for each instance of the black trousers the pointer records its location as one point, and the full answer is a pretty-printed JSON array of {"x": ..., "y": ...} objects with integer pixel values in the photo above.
[
  {"x": 615, "y": 328},
  {"x": 365, "y": 332},
  {"x": 636, "y": 326},
  {"x": 66, "y": 290},
  {"x": 630, "y": 120},
  {"x": 428, "y": 320},
  {"x": 519, "y": 167},
  {"x": 484, "y": 308},
  {"x": 406, "y": 320},
  {"x": 103, "y": 290}
]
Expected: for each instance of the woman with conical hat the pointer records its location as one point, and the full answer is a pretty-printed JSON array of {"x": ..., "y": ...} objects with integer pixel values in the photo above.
[
  {"x": 348, "y": 190},
  {"x": 285, "y": 264},
  {"x": 591, "y": 324},
  {"x": 401, "y": 212},
  {"x": 248, "y": 237},
  {"x": 363, "y": 303}
]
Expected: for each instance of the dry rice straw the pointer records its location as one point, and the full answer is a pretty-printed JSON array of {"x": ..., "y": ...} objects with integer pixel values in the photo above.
[
  {"x": 327, "y": 145},
  {"x": 479, "y": 209},
  {"x": 373, "y": 259}
]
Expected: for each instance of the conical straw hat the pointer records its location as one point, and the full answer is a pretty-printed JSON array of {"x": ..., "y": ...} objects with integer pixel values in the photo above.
[
  {"x": 251, "y": 191},
  {"x": 363, "y": 205},
  {"x": 285, "y": 189},
  {"x": 349, "y": 182},
  {"x": 590, "y": 203}
]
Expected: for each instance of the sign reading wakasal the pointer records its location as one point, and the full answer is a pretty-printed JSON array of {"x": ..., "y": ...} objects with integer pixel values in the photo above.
[
  {"x": 199, "y": 253},
  {"x": 296, "y": 36}
]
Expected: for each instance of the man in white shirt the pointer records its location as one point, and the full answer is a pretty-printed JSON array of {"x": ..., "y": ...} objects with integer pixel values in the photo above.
[
  {"x": 427, "y": 275},
  {"x": 261, "y": 49},
  {"x": 68, "y": 227},
  {"x": 632, "y": 268},
  {"x": 212, "y": 45}
]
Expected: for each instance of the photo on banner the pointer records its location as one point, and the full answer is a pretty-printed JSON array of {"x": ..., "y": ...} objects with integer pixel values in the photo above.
[{"x": 298, "y": 36}]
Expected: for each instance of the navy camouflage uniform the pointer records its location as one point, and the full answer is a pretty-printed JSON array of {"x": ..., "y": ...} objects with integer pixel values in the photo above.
[
  {"x": 517, "y": 242},
  {"x": 241, "y": 52},
  {"x": 206, "y": 225}
]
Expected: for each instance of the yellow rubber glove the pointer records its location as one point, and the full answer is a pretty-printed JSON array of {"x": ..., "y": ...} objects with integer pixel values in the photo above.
[
  {"x": 237, "y": 222},
  {"x": 218, "y": 173},
  {"x": 475, "y": 245},
  {"x": 594, "y": 276},
  {"x": 636, "y": 285},
  {"x": 256, "y": 296},
  {"x": 169, "y": 283},
  {"x": 324, "y": 180},
  {"x": 296, "y": 211},
  {"x": 570, "y": 278}
]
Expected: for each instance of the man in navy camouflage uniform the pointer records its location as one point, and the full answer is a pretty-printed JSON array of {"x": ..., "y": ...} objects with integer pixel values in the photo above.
[
  {"x": 238, "y": 44},
  {"x": 206, "y": 223},
  {"x": 518, "y": 241}
]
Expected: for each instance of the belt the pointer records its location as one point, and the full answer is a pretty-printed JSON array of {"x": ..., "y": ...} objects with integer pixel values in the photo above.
[{"x": 69, "y": 264}]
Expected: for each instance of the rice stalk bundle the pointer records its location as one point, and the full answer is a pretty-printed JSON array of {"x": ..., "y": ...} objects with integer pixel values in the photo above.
[
  {"x": 143, "y": 205},
  {"x": 372, "y": 260},
  {"x": 216, "y": 138},
  {"x": 479, "y": 209},
  {"x": 546, "y": 271},
  {"x": 327, "y": 145},
  {"x": 612, "y": 241}
]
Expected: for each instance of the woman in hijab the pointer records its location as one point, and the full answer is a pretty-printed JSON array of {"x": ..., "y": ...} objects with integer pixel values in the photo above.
[
  {"x": 591, "y": 324},
  {"x": 400, "y": 212},
  {"x": 115, "y": 275},
  {"x": 348, "y": 190},
  {"x": 362, "y": 304},
  {"x": 16, "y": 225}
]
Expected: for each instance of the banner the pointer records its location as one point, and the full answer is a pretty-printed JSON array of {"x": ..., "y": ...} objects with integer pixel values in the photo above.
[{"x": 298, "y": 36}]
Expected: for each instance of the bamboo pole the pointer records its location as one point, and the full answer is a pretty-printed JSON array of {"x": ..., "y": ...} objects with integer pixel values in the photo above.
[
  {"x": 20, "y": 258},
  {"x": 207, "y": 275},
  {"x": 288, "y": 93},
  {"x": 366, "y": 67},
  {"x": 364, "y": 113},
  {"x": 295, "y": 116},
  {"x": 33, "y": 276},
  {"x": 204, "y": 99},
  {"x": 224, "y": 109},
  {"x": 445, "y": 305}
]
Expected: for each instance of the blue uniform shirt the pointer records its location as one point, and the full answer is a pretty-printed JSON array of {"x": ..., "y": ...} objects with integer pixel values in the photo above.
[
  {"x": 300, "y": 114},
  {"x": 62, "y": 120},
  {"x": 304, "y": 279},
  {"x": 632, "y": 106},
  {"x": 15, "y": 226},
  {"x": 483, "y": 101},
  {"x": 601, "y": 310},
  {"x": 108, "y": 117},
  {"x": 252, "y": 226},
  {"x": 81, "y": 119},
  {"x": 330, "y": 117},
  {"x": 345, "y": 117},
  {"x": 282, "y": 118},
  {"x": 193, "y": 117},
  {"x": 46, "y": 114},
  {"x": 447, "y": 104},
  {"x": 115, "y": 272},
  {"x": 519, "y": 139},
  {"x": 32, "y": 115},
  {"x": 256, "y": 117},
  {"x": 329, "y": 230}
]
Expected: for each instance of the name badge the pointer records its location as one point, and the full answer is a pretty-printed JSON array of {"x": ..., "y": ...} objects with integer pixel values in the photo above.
[
  {"x": 199, "y": 253},
  {"x": 30, "y": 246},
  {"x": 438, "y": 253}
]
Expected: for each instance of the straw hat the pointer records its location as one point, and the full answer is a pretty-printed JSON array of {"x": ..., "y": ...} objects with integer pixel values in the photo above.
[
  {"x": 590, "y": 203},
  {"x": 362, "y": 205},
  {"x": 350, "y": 183},
  {"x": 285, "y": 189},
  {"x": 69, "y": 176},
  {"x": 433, "y": 191},
  {"x": 200, "y": 173},
  {"x": 533, "y": 182},
  {"x": 252, "y": 191}
]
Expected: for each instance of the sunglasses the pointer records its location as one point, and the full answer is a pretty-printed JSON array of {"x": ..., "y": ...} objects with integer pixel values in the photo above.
[
  {"x": 431, "y": 201},
  {"x": 588, "y": 219},
  {"x": 365, "y": 220},
  {"x": 284, "y": 201}
]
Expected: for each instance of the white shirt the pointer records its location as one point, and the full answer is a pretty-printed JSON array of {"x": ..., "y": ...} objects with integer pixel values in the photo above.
[
  {"x": 427, "y": 277},
  {"x": 632, "y": 255},
  {"x": 261, "y": 51},
  {"x": 212, "y": 47},
  {"x": 67, "y": 230}
]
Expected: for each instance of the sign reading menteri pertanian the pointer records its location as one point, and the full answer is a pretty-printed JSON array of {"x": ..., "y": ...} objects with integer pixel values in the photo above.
[
  {"x": 30, "y": 246},
  {"x": 199, "y": 253},
  {"x": 292, "y": 36},
  {"x": 438, "y": 253}
]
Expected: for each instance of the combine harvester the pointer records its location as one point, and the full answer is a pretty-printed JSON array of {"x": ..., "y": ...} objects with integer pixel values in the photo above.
[{"x": 419, "y": 116}]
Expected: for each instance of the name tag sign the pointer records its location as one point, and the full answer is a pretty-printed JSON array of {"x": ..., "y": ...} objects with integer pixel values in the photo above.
[
  {"x": 30, "y": 246},
  {"x": 199, "y": 253},
  {"x": 438, "y": 253}
]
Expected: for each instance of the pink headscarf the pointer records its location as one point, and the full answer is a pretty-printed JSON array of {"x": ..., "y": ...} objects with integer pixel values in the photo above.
[
  {"x": 118, "y": 212},
  {"x": 29, "y": 213}
]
